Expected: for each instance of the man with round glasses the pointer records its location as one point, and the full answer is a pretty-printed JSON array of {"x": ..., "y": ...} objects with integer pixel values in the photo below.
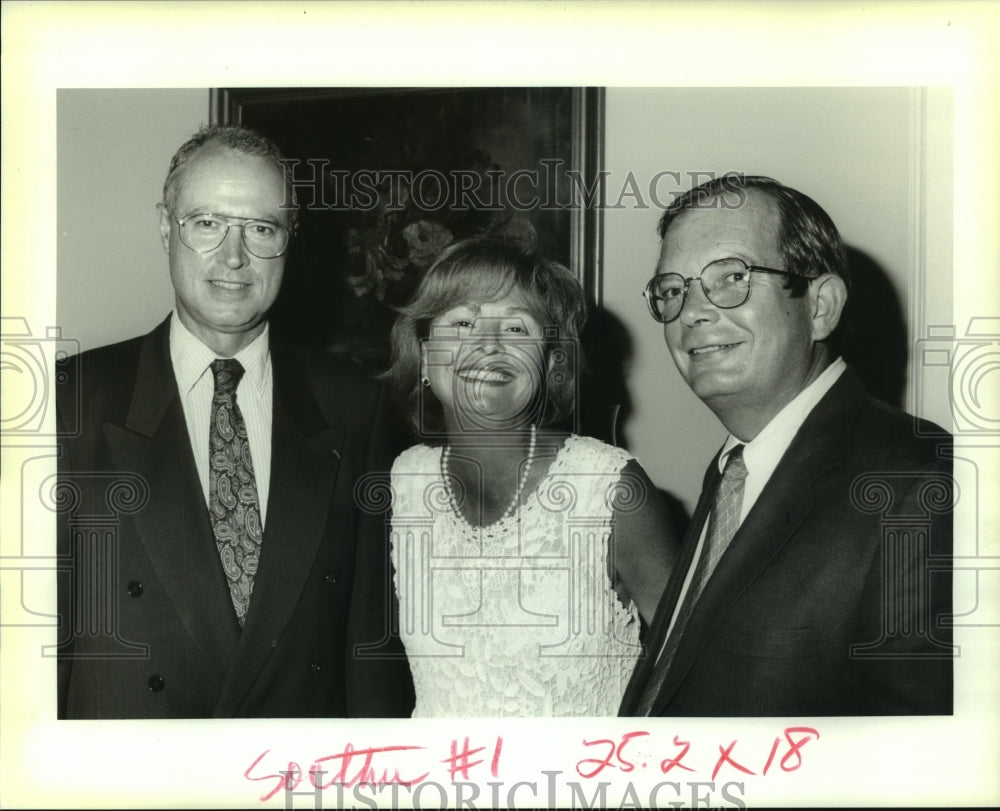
[
  {"x": 815, "y": 578},
  {"x": 229, "y": 588}
]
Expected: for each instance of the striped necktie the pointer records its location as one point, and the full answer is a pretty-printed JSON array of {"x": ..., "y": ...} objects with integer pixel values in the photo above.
[{"x": 723, "y": 521}]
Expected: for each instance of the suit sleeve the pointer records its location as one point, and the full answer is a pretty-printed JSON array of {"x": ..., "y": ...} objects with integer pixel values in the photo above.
[
  {"x": 379, "y": 684},
  {"x": 906, "y": 662}
]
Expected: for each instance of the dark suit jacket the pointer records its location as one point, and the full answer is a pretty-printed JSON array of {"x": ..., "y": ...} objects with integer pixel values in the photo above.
[
  {"x": 831, "y": 597},
  {"x": 147, "y": 626}
]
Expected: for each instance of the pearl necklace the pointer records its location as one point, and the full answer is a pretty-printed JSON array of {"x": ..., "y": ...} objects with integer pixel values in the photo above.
[{"x": 453, "y": 501}]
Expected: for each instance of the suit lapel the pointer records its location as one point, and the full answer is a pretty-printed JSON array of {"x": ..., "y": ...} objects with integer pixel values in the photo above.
[
  {"x": 783, "y": 504},
  {"x": 305, "y": 461},
  {"x": 173, "y": 526},
  {"x": 668, "y": 600}
]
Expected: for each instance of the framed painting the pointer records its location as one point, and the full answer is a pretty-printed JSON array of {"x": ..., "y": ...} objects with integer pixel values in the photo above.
[{"x": 388, "y": 177}]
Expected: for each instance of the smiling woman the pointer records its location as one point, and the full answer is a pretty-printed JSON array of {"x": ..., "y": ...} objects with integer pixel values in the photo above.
[
  {"x": 490, "y": 364},
  {"x": 524, "y": 554}
]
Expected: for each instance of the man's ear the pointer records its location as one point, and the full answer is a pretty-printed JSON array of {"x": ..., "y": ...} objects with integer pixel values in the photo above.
[
  {"x": 165, "y": 222},
  {"x": 828, "y": 295}
]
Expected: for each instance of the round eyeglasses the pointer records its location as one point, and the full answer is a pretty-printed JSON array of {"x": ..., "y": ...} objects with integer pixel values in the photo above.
[
  {"x": 725, "y": 282},
  {"x": 206, "y": 232}
]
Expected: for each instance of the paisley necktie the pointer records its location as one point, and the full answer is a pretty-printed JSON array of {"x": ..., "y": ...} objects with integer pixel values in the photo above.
[{"x": 233, "y": 505}]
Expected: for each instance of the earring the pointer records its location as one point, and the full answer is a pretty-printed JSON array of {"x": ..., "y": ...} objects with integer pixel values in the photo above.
[{"x": 426, "y": 381}]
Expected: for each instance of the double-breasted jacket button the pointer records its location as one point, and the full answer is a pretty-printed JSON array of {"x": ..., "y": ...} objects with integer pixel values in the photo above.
[
  {"x": 315, "y": 667},
  {"x": 330, "y": 579},
  {"x": 135, "y": 589},
  {"x": 156, "y": 683}
]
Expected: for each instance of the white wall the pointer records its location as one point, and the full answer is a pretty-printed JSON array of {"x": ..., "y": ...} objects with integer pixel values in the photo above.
[
  {"x": 864, "y": 154},
  {"x": 114, "y": 148}
]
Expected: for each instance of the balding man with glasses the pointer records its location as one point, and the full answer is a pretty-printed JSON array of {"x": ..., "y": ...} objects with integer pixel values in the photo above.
[
  {"x": 815, "y": 578},
  {"x": 239, "y": 574}
]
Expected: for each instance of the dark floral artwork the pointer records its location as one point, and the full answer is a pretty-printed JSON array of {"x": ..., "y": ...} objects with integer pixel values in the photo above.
[{"x": 387, "y": 178}]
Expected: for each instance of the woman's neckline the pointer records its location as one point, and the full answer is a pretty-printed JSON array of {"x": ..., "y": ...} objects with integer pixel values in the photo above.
[{"x": 552, "y": 447}]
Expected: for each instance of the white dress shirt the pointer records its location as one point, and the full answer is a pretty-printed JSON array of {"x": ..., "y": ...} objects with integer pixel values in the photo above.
[
  {"x": 762, "y": 454},
  {"x": 192, "y": 362}
]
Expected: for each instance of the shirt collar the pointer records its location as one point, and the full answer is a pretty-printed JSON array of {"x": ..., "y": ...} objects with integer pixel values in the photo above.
[
  {"x": 786, "y": 422},
  {"x": 192, "y": 359}
]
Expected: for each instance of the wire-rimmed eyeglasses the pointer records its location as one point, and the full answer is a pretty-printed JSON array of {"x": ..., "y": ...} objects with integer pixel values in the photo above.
[
  {"x": 725, "y": 283},
  {"x": 206, "y": 232}
]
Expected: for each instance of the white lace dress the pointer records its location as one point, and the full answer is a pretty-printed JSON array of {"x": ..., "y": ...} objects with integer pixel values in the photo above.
[{"x": 518, "y": 618}]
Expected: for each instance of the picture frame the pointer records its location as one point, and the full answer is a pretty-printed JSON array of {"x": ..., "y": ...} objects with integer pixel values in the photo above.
[{"x": 385, "y": 178}]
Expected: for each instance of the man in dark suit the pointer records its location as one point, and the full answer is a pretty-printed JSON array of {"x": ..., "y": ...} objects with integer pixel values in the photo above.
[
  {"x": 215, "y": 562},
  {"x": 815, "y": 578}
]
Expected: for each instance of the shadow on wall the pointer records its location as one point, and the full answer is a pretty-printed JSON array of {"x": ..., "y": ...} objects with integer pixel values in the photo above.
[
  {"x": 605, "y": 402},
  {"x": 873, "y": 335}
]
